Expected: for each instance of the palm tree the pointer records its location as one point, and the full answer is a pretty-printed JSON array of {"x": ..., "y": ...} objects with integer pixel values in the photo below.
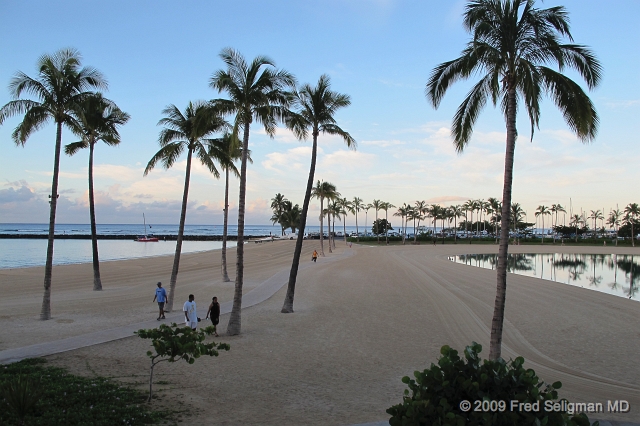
[
  {"x": 496, "y": 208},
  {"x": 366, "y": 208},
  {"x": 316, "y": 109},
  {"x": 631, "y": 213},
  {"x": 456, "y": 212},
  {"x": 403, "y": 212},
  {"x": 277, "y": 205},
  {"x": 386, "y": 206},
  {"x": 516, "y": 213},
  {"x": 576, "y": 220},
  {"x": 60, "y": 87},
  {"x": 595, "y": 215},
  {"x": 377, "y": 205},
  {"x": 357, "y": 206},
  {"x": 512, "y": 42},
  {"x": 614, "y": 221},
  {"x": 188, "y": 130},
  {"x": 420, "y": 210},
  {"x": 256, "y": 92},
  {"x": 98, "y": 120},
  {"x": 234, "y": 153},
  {"x": 335, "y": 210},
  {"x": 323, "y": 190},
  {"x": 542, "y": 211},
  {"x": 347, "y": 207},
  {"x": 555, "y": 209}
]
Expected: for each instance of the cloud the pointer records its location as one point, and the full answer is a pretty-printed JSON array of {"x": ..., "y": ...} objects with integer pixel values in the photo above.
[
  {"x": 382, "y": 143},
  {"x": 17, "y": 192},
  {"x": 446, "y": 199},
  {"x": 623, "y": 103},
  {"x": 297, "y": 158}
]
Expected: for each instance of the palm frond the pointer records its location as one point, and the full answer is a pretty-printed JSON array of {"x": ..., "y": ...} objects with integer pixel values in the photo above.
[
  {"x": 167, "y": 155},
  {"x": 468, "y": 112},
  {"x": 72, "y": 148}
]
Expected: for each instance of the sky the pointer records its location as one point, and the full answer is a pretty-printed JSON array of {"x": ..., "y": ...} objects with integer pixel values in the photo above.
[{"x": 379, "y": 52}]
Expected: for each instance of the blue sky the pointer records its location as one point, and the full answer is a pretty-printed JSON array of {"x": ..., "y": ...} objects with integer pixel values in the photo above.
[{"x": 380, "y": 52}]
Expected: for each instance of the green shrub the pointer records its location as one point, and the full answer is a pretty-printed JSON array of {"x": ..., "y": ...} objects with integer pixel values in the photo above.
[{"x": 436, "y": 394}]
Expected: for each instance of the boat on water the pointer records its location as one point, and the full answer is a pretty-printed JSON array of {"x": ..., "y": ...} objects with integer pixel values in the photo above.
[{"x": 146, "y": 238}]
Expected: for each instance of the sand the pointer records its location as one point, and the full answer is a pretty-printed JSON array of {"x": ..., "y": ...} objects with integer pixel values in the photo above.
[{"x": 360, "y": 324}]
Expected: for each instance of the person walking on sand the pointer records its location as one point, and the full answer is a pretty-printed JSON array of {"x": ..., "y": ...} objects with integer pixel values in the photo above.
[
  {"x": 214, "y": 314},
  {"x": 314, "y": 256},
  {"x": 161, "y": 297},
  {"x": 190, "y": 314}
]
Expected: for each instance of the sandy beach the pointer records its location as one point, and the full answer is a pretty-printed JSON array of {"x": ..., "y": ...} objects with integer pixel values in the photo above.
[{"x": 361, "y": 322}]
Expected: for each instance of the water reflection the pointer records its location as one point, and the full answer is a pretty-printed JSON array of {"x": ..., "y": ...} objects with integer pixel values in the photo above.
[{"x": 616, "y": 274}]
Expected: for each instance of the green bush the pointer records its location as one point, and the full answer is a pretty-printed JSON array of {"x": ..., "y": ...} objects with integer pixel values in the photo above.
[{"x": 435, "y": 396}]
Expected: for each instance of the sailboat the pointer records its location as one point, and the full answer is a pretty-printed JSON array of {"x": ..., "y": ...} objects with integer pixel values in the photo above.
[{"x": 146, "y": 238}]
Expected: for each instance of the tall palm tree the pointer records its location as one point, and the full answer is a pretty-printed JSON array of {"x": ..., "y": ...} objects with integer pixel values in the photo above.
[
  {"x": 595, "y": 215},
  {"x": 316, "y": 107},
  {"x": 358, "y": 205},
  {"x": 555, "y": 209},
  {"x": 614, "y": 221},
  {"x": 542, "y": 211},
  {"x": 59, "y": 88},
  {"x": 231, "y": 146},
  {"x": 496, "y": 209},
  {"x": 456, "y": 213},
  {"x": 335, "y": 210},
  {"x": 98, "y": 120},
  {"x": 323, "y": 190},
  {"x": 377, "y": 205},
  {"x": 631, "y": 213},
  {"x": 420, "y": 210},
  {"x": 347, "y": 207},
  {"x": 366, "y": 208},
  {"x": 188, "y": 130},
  {"x": 256, "y": 92},
  {"x": 386, "y": 206},
  {"x": 277, "y": 205},
  {"x": 576, "y": 220},
  {"x": 512, "y": 43},
  {"x": 403, "y": 212}
]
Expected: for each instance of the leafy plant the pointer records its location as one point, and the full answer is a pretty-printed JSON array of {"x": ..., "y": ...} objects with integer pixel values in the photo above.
[
  {"x": 436, "y": 395},
  {"x": 173, "y": 343},
  {"x": 22, "y": 393}
]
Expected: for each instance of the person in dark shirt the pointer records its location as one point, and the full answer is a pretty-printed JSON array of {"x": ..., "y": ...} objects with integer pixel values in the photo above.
[{"x": 214, "y": 314}]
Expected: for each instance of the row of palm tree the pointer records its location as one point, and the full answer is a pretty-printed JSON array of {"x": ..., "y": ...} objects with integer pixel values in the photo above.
[{"x": 62, "y": 93}]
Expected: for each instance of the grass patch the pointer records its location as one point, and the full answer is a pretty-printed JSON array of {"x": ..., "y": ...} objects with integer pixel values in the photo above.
[{"x": 65, "y": 399}]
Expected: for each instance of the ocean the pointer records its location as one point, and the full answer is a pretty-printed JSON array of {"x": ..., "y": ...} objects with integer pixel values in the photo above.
[{"x": 27, "y": 252}]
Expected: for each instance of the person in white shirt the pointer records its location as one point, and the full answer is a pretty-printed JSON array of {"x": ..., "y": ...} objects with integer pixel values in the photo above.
[{"x": 190, "y": 314}]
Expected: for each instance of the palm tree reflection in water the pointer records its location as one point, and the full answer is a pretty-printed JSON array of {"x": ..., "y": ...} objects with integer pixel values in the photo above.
[{"x": 583, "y": 270}]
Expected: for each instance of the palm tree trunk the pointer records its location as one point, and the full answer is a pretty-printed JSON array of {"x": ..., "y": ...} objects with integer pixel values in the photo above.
[
  {"x": 235, "y": 322},
  {"x": 633, "y": 242},
  {"x": 97, "y": 283},
  {"x": 377, "y": 227},
  {"x": 386, "y": 227},
  {"x": 321, "y": 229},
  {"x": 225, "y": 274},
  {"x": 183, "y": 216},
  {"x": 344, "y": 228},
  {"x": 329, "y": 230},
  {"x": 287, "y": 308},
  {"x": 497, "y": 322},
  {"x": 45, "y": 313},
  {"x": 357, "y": 232}
]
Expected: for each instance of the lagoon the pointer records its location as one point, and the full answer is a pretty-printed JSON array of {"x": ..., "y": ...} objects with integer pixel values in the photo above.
[{"x": 616, "y": 274}]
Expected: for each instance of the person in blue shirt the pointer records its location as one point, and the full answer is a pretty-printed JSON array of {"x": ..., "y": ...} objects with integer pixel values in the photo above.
[{"x": 161, "y": 297}]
